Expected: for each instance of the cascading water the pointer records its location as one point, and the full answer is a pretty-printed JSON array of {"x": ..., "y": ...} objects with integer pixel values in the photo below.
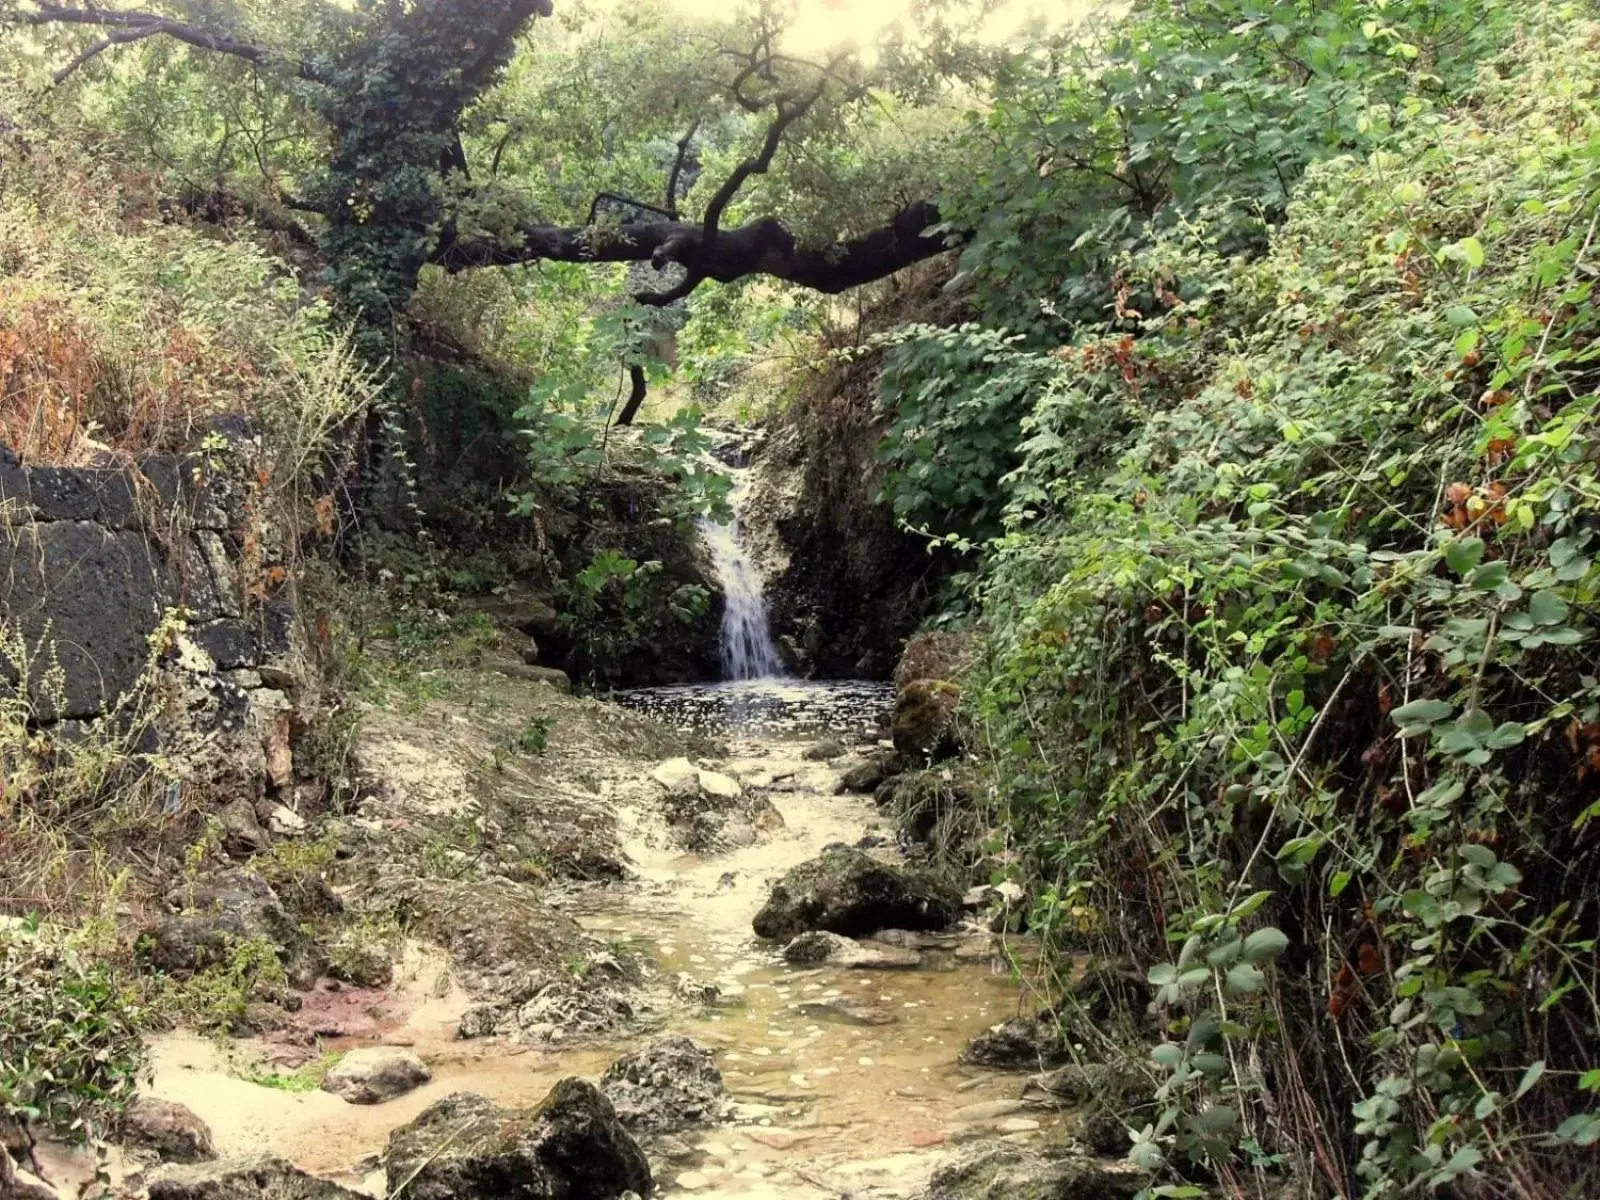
[{"x": 748, "y": 651}]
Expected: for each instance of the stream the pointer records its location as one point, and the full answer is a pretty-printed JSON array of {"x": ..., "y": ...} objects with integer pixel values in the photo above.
[{"x": 844, "y": 1081}]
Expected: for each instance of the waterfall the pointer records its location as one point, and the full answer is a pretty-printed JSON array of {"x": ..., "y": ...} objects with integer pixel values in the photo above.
[{"x": 748, "y": 651}]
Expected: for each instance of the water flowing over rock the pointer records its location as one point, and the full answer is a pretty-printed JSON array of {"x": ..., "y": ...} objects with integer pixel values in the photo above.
[
  {"x": 748, "y": 651},
  {"x": 571, "y": 1147},
  {"x": 820, "y": 946},
  {"x": 844, "y": 890}
]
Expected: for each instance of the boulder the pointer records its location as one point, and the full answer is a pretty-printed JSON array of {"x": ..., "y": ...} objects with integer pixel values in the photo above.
[
  {"x": 571, "y": 1147},
  {"x": 870, "y": 773},
  {"x": 1104, "y": 1132},
  {"x": 553, "y": 676},
  {"x": 215, "y": 914},
  {"x": 677, "y": 775},
  {"x": 820, "y": 947},
  {"x": 1020, "y": 1044},
  {"x": 17, "y": 1184},
  {"x": 941, "y": 654},
  {"x": 924, "y": 717},
  {"x": 824, "y": 751},
  {"x": 242, "y": 834},
  {"x": 668, "y": 1085},
  {"x": 1006, "y": 1172},
  {"x": 265, "y": 1178},
  {"x": 170, "y": 1131},
  {"x": 1119, "y": 1087},
  {"x": 722, "y": 787},
  {"x": 374, "y": 1074},
  {"x": 844, "y": 890}
]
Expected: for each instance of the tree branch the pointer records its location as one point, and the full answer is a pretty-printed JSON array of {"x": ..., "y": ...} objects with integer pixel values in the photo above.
[
  {"x": 762, "y": 247},
  {"x": 636, "y": 394},
  {"x": 134, "y": 26},
  {"x": 671, "y": 295},
  {"x": 789, "y": 111},
  {"x": 677, "y": 166},
  {"x": 98, "y": 48}
]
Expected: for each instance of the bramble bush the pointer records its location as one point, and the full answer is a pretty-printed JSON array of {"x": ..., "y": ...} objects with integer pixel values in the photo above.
[{"x": 1290, "y": 690}]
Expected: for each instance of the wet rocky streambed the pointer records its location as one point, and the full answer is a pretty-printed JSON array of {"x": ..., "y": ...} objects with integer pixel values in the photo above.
[{"x": 841, "y": 1061}]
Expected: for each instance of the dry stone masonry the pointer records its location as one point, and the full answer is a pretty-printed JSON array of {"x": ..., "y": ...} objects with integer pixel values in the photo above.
[{"x": 95, "y": 562}]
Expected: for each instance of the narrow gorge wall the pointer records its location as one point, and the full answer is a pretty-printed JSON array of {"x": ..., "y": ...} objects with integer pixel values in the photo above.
[{"x": 845, "y": 585}]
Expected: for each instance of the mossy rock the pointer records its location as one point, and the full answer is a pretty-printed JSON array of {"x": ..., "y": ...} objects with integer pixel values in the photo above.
[{"x": 924, "y": 716}]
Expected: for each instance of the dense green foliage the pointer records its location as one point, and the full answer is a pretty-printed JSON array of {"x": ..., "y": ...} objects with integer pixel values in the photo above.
[
  {"x": 70, "y": 1055},
  {"x": 1289, "y": 686},
  {"x": 1266, "y": 435}
]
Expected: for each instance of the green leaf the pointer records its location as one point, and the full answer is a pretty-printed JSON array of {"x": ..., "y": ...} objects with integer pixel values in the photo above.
[
  {"x": 1469, "y": 251},
  {"x": 1244, "y": 978},
  {"x": 1581, "y": 1130},
  {"x": 1460, "y": 316},
  {"x": 1409, "y": 192},
  {"x": 1421, "y": 712},
  {"x": 1167, "y": 1054},
  {"x": 1340, "y": 881},
  {"x": 1210, "y": 1063},
  {"x": 1217, "y": 1119},
  {"x": 1466, "y": 343},
  {"x": 1462, "y": 554},
  {"x": 1509, "y": 733},
  {"x": 1547, "y": 608},
  {"x": 1265, "y": 944},
  {"x": 1488, "y": 576},
  {"x": 1529, "y": 1077},
  {"x": 1562, "y": 551}
]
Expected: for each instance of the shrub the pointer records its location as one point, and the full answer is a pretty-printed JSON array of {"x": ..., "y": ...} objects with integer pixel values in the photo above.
[
  {"x": 1291, "y": 685},
  {"x": 70, "y": 1054}
]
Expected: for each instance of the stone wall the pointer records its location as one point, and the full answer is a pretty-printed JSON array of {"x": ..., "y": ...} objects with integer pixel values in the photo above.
[{"x": 96, "y": 561}]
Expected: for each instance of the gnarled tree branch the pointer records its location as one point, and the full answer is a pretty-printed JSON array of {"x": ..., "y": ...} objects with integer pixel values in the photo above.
[
  {"x": 132, "y": 26},
  {"x": 761, "y": 247}
]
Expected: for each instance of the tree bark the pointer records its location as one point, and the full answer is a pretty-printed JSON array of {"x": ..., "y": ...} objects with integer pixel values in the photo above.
[
  {"x": 762, "y": 247},
  {"x": 636, "y": 395}
]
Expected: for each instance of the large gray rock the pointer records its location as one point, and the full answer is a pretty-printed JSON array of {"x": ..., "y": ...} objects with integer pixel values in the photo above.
[
  {"x": 170, "y": 1131},
  {"x": 266, "y": 1178},
  {"x": 571, "y": 1147},
  {"x": 374, "y": 1074},
  {"x": 668, "y": 1085},
  {"x": 17, "y": 1184},
  {"x": 844, "y": 890},
  {"x": 81, "y": 570}
]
